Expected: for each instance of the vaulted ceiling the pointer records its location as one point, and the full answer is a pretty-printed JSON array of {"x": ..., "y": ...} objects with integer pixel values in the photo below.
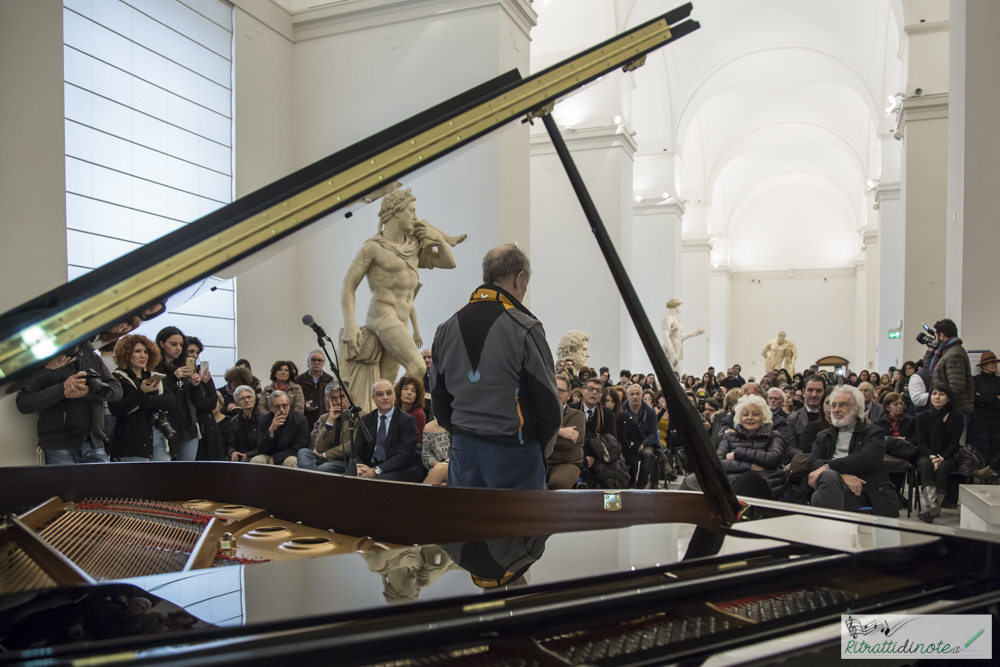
[{"x": 773, "y": 110}]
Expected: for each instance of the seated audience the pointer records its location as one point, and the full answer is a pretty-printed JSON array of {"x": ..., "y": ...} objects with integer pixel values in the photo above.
[
  {"x": 391, "y": 453},
  {"x": 638, "y": 436},
  {"x": 822, "y": 423},
  {"x": 235, "y": 377},
  {"x": 598, "y": 418},
  {"x": 812, "y": 398},
  {"x": 142, "y": 397},
  {"x": 846, "y": 469},
  {"x": 611, "y": 398},
  {"x": 872, "y": 408},
  {"x": 436, "y": 453},
  {"x": 281, "y": 434},
  {"x": 254, "y": 382},
  {"x": 410, "y": 399},
  {"x": 776, "y": 401},
  {"x": 894, "y": 421},
  {"x": 563, "y": 465},
  {"x": 313, "y": 383},
  {"x": 753, "y": 446},
  {"x": 282, "y": 373},
  {"x": 939, "y": 430},
  {"x": 330, "y": 439},
  {"x": 241, "y": 441},
  {"x": 584, "y": 375}
]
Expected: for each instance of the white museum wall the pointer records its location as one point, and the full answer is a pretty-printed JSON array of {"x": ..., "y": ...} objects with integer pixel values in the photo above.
[
  {"x": 655, "y": 271},
  {"x": 32, "y": 178},
  {"x": 718, "y": 328},
  {"x": 345, "y": 87},
  {"x": 817, "y": 315},
  {"x": 266, "y": 302}
]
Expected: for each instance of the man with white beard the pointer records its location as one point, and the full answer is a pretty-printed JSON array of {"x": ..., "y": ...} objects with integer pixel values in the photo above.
[{"x": 846, "y": 468}]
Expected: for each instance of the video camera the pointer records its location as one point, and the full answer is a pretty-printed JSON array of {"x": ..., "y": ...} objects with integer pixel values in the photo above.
[{"x": 928, "y": 336}]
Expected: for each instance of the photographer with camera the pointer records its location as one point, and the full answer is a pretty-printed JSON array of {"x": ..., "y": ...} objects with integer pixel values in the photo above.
[
  {"x": 182, "y": 382},
  {"x": 946, "y": 362},
  {"x": 142, "y": 397},
  {"x": 69, "y": 399}
]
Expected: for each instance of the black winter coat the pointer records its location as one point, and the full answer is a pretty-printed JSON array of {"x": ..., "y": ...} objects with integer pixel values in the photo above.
[
  {"x": 63, "y": 423},
  {"x": 764, "y": 448},
  {"x": 864, "y": 460},
  {"x": 242, "y": 435},
  {"x": 134, "y": 416},
  {"x": 189, "y": 399},
  {"x": 939, "y": 431}
]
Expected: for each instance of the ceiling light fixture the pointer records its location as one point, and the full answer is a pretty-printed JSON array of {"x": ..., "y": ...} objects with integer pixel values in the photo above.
[
  {"x": 666, "y": 195},
  {"x": 618, "y": 120},
  {"x": 638, "y": 198}
]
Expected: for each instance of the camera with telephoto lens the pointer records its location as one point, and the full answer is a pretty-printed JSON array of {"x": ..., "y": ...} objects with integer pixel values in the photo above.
[
  {"x": 161, "y": 422},
  {"x": 927, "y": 337},
  {"x": 94, "y": 380}
]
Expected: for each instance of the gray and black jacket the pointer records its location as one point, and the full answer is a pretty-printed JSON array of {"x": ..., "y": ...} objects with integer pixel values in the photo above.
[{"x": 492, "y": 375}]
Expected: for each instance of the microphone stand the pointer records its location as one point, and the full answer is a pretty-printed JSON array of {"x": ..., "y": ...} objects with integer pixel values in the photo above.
[{"x": 353, "y": 411}]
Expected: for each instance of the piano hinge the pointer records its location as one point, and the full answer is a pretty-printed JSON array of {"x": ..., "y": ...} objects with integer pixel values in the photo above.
[
  {"x": 483, "y": 606},
  {"x": 538, "y": 113},
  {"x": 635, "y": 64},
  {"x": 612, "y": 502},
  {"x": 104, "y": 659}
]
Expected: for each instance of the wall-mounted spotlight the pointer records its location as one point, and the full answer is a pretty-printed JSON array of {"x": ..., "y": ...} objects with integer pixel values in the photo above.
[
  {"x": 666, "y": 195},
  {"x": 618, "y": 120},
  {"x": 638, "y": 198}
]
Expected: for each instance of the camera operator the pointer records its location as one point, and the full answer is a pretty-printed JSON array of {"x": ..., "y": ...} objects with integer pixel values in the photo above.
[
  {"x": 947, "y": 362},
  {"x": 142, "y": 397},
  {"x": 69, "y": 398}
]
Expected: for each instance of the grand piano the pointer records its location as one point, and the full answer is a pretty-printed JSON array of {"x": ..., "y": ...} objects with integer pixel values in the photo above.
[{"x": 211, "y": 562}]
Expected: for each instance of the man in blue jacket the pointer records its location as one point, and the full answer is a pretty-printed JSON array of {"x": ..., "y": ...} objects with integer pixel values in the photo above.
[{"x": 493, "y": 385}]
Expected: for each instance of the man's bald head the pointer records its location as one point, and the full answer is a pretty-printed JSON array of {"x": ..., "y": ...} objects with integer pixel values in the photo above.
[
  {"x": 507, "y": 267},
  {"x": 752, "y": 389}
]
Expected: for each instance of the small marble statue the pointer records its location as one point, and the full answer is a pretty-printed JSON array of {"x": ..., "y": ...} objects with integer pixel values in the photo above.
[
  {"x": 778, "y": 352},
  {"x": 389, "y": 260},
  {"x": 575, "y": 345},
  {"x": 673, "y": 336}
]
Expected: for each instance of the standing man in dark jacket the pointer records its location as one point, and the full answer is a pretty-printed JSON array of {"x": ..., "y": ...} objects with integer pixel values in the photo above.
[
  {"x": 69, "y": 398},
  {"x": 948, "y": 363},
  {"x": 984, "y": 428},
  {"x": 846, "y": 466},
  {"x": 313, "y": 383},
  {"x": 494, "y": 388},
  {"x": 639, "y": 438},
  {"x": 282, "y": 432}
]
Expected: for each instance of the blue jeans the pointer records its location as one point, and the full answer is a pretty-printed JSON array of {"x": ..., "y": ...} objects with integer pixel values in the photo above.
[
  {"x": 477, "y": 463},
  {"x": 82, "y": 454},
  {"x": 185, "y": 451},
  {"x": 309, "y": 461}
]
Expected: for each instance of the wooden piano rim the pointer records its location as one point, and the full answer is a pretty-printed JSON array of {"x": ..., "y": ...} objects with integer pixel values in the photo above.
[{"x": 394, "y": 512}]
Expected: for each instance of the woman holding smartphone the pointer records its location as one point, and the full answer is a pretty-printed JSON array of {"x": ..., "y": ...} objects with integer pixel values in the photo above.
[
  {"x": 142, "y": 397},
  {"x": 183, "y": 383}
]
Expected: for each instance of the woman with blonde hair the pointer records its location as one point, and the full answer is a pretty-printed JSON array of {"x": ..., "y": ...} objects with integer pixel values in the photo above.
[
  {"x": 753, "y": 447},
  {"x": 136, "y": 356}
]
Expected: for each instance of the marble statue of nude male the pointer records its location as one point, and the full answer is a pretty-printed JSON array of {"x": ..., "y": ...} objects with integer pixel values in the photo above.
[{"x": 390, "y": 260}]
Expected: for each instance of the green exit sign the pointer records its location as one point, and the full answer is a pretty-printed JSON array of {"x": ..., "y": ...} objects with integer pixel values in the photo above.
[{"x": 894, "y": 333}]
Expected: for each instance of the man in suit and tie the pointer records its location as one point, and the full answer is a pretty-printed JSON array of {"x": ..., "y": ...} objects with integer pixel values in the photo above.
[
  {"x": 391, "y": 454},
  {"x": 872, "y": 408},
  {"x": 598, "y": 418}
]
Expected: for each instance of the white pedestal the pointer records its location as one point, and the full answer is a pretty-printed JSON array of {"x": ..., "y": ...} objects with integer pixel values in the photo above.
[{"x": 980, "y": 507}]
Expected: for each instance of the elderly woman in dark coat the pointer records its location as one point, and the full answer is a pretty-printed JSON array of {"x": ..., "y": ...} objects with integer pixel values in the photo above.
[{"x": 752, "y": 448}]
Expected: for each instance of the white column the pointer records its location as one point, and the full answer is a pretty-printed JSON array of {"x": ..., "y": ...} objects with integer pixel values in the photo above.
[
  {"x": 718, "y": 340},
  {"x": 924, "y": 121},
  {"x": 656, "y": 265},
  {"x": 869, "y": 295},
  {"x": 973, "y": 176},
  {"x": 32, "y": 178},
  {"x": 571, "y": 285},
  {"x": 891, "y": 271}
]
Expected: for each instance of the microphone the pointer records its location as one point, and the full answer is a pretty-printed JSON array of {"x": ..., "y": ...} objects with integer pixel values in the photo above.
[{"x": 310, "y": 322}]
